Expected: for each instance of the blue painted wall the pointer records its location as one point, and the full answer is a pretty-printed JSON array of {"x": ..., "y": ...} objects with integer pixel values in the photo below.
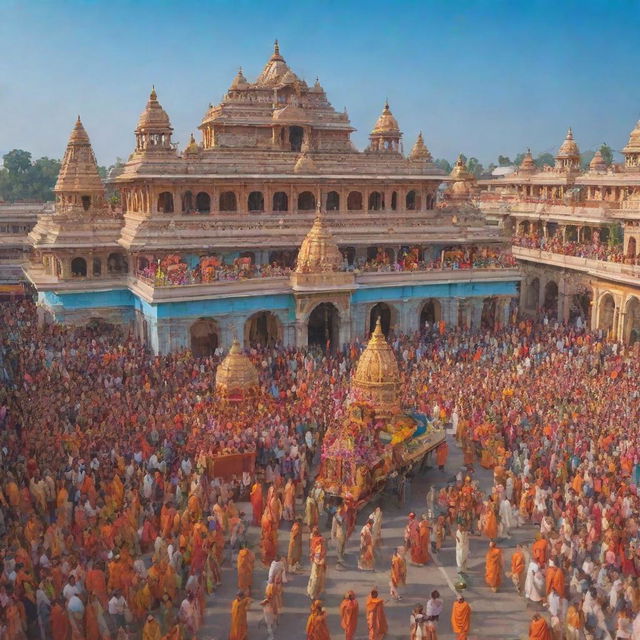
[{"x": 446, "y": 290}]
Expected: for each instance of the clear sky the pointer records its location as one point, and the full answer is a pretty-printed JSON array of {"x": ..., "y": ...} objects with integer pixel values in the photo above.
[{"x": 479, "y": 77}]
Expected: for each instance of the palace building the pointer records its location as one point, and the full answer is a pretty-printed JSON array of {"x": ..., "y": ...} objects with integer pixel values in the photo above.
[
  {"x": 271, "y": 228},
  {"x": 575, "y": 236}
]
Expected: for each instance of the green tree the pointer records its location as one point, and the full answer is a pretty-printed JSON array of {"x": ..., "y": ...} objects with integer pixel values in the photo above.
[
  {"x": 616, "y": 234},
  {"x": 22, "y": 179},
  {"x": 504, "y": 161},
  {"x": 607, "y": 153},
  {"x": 474, "y": 166},
  {"x": 518, "y": 159},
  {"x": 544, "y": 158},
  {"x": 443, "y": 164}
]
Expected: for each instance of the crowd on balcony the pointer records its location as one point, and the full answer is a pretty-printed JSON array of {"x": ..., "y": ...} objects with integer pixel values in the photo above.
[
  {"x": 450, "y": 259},
  {"x": 172, "y": 270},
  {"x": 594, "y": 250}
]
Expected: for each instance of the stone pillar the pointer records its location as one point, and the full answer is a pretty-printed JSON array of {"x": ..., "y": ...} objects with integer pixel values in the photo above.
[
  {"x": 344, "y": 331},
  {"x": 302, "y": 335},
  {"x": 476, "y": 313},
  {"x": 505, "y": 311}
]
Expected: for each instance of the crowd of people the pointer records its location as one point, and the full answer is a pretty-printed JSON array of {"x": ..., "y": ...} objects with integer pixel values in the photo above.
[
  {"x": 114, "y": 524},
  {"x": 594, "y": 250}
]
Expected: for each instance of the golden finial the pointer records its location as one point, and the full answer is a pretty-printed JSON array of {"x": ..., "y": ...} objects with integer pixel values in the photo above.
[
  {"x": 276, "y": 48},
  {"x": 153, "y": 95}
]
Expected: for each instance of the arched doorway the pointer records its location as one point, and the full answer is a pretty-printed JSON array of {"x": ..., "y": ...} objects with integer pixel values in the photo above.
[
  {"x": 228, "y": 201},
  {"x": 204, "y": 337},
  {"x": 165, "y": 202},
  {"x": 375, "y": 201},
  {"x": 187, "y": 202},
  {"x": 333, "y": 201},
  {"x": 488, "y": 317},
  {"x": 632, "y": 321},
  {"x": 382, "y": 311},
  {"x": 580, "y": 308},
  {"x": 323, "y": 327},
  {"x": 349, "y": 254},
  {"x": 550, "y": 305},
  {"x": 354, "y": 201},
  {"x": 533, "y": 294},
  {"x": 263, "y": 328},
  {"x": 78, "y": 267},
  {"x": 606, "y": 313},
  {"x": 255, "y": 202},
  {"x": 296, "y": 136},
  {"x": 631, "y": 248},
  {"x": 203, "y": 202},
  {"x": 431, "y": 313},
  {"x": 306, "y": 201},
  {"x": 280, "y": 201}
]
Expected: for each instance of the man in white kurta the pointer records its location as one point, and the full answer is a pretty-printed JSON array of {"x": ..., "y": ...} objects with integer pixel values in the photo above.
[{"x": 462, "y": 548}]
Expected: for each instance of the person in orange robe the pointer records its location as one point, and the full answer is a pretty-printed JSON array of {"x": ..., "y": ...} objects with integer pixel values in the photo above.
[
  {"x": 59, "y": 622},
  {"x": 269, "y": 539},
  {"x": 256, "y": 502},
  {"x": 554, "y": 579},
  {"x": 540, "y": 550},
  {"x": 376, "y": 618},
  {"x": 442, "y": 453},
  {"x": 239, "y": 617},
  {"x": 96, "y": 583},
  {"x": 317, "y": 623},
  {"x": 461, "y": 618},
  {"x": 398, "y": 573},
  {"x": 539, "y": 629},
  {"x": 151, "y": 629},
  {"x": 517, "y": 568},
  {"x": 493, "y": 567},
  {"x": 490, "y": 529},
  {"x": 349, "y": 615},
  {"x": 245, "y": 564}
]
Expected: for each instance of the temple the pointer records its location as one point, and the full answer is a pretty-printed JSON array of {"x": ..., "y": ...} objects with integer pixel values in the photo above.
[
  {"x": 575, "y": 235},
  {"x": 272, "y": 227}
]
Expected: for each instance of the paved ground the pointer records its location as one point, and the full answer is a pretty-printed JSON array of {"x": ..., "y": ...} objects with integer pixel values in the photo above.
[{"x": 500, "y": 616}]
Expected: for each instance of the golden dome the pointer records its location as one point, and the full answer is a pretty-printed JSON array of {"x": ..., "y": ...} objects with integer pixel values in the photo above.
[
  {"x": 386, "y": 123},
  {"x": 236, "y": 374},
  {"x": 459, "y": 171},
  {"x": 377, "y": 378},
  {"x": 527, "y": 165},
  {"x": 192, "y": 147},
  {"x": 318, "y": 252},
  {"x": 633, "y": 146},
  {"x": 569, "y": 148},
  {"x": 154, "y": 118},
  {"x": 420, "y": 151},
  {"x": 79, "y": 169},
  {"x": 597, "y": 162}
]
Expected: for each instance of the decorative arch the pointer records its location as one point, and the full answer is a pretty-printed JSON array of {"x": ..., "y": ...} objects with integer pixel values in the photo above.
[
  {"x": 383, "y": 311},
  {"x": 263, "y": 328},
  {"x": 203, "y": 202},
  {"x": 430, "y": 313},
  {"x": 306, "y": 201},
  {"x": 323, "y": 327},
  {"x": 376, "y": 201},
  {"x": 255, "y": 202},
  {"x": 228, "y": 201},
  {"x": 606, "y": 312},
  {"x": 411, "y": 200},
  {"x": 165, "y": 202},
  {"x": 333, "y": 201},
  {"x": 280, "y": 201},
  {"x": 187, "y": 202},
  {"x": 117, "y": 263},
  {"x": 204, "y": 336},
  {"x": 79, "y": 268},
  {"x": 354, "y": 201}
]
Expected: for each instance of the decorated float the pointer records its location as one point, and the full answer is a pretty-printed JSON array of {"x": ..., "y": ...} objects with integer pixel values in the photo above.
[{"x": 377, "y": 438}]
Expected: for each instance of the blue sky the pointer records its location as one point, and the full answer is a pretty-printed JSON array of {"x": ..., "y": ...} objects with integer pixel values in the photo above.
[{"x": 480, "y": 77}]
